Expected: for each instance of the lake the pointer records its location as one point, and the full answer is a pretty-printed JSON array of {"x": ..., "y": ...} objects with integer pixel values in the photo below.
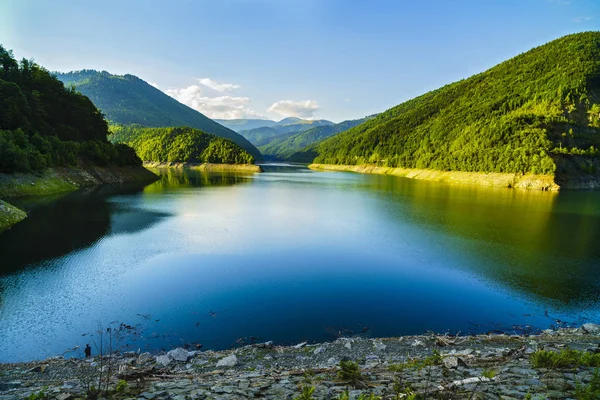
[{"x": 292, "y": 255}]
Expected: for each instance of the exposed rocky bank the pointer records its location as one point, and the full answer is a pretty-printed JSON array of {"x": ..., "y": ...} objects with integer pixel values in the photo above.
[
  {"x": 57, "y": 180},
  {"x": 494, "y": 179},
  {"x": 470, "y": 367}
]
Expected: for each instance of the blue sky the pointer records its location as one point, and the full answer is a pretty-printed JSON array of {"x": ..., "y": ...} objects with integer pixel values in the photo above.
[{"x": 333, "y": 59}]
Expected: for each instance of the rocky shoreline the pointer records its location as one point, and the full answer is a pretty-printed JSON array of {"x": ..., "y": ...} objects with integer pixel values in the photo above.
[{"x": 432, "y": 366}]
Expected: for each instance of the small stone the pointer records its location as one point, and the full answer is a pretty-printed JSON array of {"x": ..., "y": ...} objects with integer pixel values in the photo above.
[
  {"x": 179, "y": 354},
  {"x": 534, "y": 382},
  {"x": 348, "y": 345},
  {"x": 380, "y": 346},
  {"x": 319, "y": 350},
  {"x": 451, "y": 362},
  {"x": 300, "y": 345},
  {"x": 148, "y": 395},
  {"x": 144, "y": 358},
  {"x": 164, "y": 360},
  {"x": 265, "y": 345},
  {"x": 229, "y": 361},
  {"x": 64, "y": 396}
]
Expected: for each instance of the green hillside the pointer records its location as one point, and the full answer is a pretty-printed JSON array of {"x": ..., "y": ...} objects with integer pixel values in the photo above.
[
  {"x": 284, "y": 128},
  {"x": 538, "y": 112},
  {"x": 181, "y": 144},
  {"x": 129, "y": 100},
  {"x": 284, "y": 146},
  {"x": 43, "y": 124}
]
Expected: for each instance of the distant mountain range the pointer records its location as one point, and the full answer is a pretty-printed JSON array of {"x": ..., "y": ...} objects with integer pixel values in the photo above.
[
  {"x": 240, "y": 125},
  {"x": 128, "y": 99},
  {"x": 245, "y": 124},
  {"x": 264, "y": 135},
  {"x": 283, "y": 146}
]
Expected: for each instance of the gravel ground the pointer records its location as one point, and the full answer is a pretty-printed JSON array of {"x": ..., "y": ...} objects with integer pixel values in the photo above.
[{"x": 471, "y": 367}]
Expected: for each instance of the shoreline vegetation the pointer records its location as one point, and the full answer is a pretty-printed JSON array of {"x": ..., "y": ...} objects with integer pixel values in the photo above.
[
  {"x": 58, "y": 180},
  {"x": 491, "y": 179},
  {"x": 554, "y": 364},
  {"x": 211, "y": 167}
]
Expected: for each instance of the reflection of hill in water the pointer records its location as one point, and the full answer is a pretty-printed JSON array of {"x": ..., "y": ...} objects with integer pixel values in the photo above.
[
  {"x": 544, "y": 245},
  {"x": 186, "y": 178},
  {"x": 59, "y": 225}
]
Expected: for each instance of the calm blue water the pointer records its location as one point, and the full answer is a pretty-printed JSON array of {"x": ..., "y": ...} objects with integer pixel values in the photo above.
[{"x": 293, "y": 255}]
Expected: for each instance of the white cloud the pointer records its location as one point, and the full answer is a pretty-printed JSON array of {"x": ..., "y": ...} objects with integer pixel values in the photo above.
[
  {"x": 154, "y": 84},
  {"x": 206, "y": 98},
  {"x": 219, "y": 87},
  {"x": 290, "y": 108},
  {"x": 580, "y": 20}
]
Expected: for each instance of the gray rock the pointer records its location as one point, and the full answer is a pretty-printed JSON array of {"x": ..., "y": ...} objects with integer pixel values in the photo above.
[
  {"x": 300, "y": 345},
  {"x": 144, "y": 358},
  {"x": 148, "y": 395},
  {"x": 319, "y": 350},
  {"x": 379, "y": 346},
  {"x": 229, "y": 361},
  {"x": 348, "y": 345},
  {"x": 591, "y": 328},
  {"x": 265, "y": 345},
  {"x": 451, "y": 362},
  {"x": 164, "y": 360},
  {"x": 179, "y": 354}
]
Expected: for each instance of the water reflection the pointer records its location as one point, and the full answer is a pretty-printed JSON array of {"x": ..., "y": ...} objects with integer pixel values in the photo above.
[
  {"x": 544, "y": 245},
  {"x": 58, "y": 225},
  {"x": 171, "y": 178}
]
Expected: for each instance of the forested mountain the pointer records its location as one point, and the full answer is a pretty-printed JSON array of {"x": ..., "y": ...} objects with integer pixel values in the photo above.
[
  {"x": 283, "y": 147},
  {"x": 245, "y": 124},
  {"x": 129, "y": 100},
  {"x": 181, "y": 144},
  {"x": 533, "y": 113},
  {"x": 44, "y": 124},
  {"x": 264, "y": 135}
]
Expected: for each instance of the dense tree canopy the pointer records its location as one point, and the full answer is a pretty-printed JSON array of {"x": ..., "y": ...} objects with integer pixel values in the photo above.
[
  {"x": 128, "y": 99},
  {"x": 528, "y": 114},
  {"x": 44, "y": 124},
  {"x": 181, "y": 144}
]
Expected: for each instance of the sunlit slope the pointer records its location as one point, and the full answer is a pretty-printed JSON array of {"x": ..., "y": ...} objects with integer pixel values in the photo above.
[
  {"x": 179, "y": 144},
  {"x": 536, "y": 113}
]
